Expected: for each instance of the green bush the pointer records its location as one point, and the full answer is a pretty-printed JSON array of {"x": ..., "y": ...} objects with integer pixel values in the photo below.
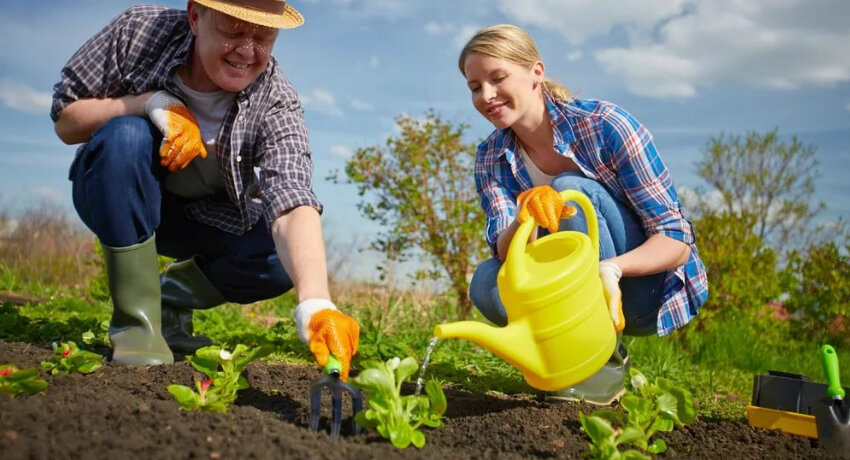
[
  {"x": 817, "y": 281},
  {"x": 741, "y": 269}
]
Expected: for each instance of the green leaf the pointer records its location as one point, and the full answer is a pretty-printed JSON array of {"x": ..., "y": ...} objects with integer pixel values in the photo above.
[
  {"x": 611, "y": 415},
  {"x": 417, "y": 438},
  {"x": 406, "y": 368},
  {"x": 400, "y": 437},
  {"x": 210, "y": 353},
  {"x": 208, "y": 366},
  {"x": 598, "y": 429},
  {"x": 33, "y": 386},
  {"x": 662, "y": 423},
  {"x": 184, "y": 395},
  {"x": 630, "y": 434},
  {"x": 657, "y": 447},
  {"x": 362, "y": 419},
  {"x": 632, "y": 454},
  {"x": 21, "y": 375},
  {"x": 436, "y": 396}
]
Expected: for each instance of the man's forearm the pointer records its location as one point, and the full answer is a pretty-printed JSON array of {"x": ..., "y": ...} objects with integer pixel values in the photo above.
[
  {"x": 81, "y": 118},
  {"x": 298, "y": 239}
]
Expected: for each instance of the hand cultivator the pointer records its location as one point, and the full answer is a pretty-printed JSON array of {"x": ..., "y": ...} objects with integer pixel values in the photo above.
[{"x": 331, "y": 380}]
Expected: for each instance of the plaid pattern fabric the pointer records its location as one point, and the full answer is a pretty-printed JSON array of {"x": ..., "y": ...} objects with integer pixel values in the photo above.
[
  {"x": 264, "y": 129},
  {"x": 613, "y": 148}
]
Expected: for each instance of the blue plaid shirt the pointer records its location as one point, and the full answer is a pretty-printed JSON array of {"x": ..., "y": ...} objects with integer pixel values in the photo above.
[
  {"x": 613, "y": 148},
  {"x": 264, "y": 129}
]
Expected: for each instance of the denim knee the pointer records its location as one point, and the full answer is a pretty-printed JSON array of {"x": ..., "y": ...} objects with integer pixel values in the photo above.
[
  {"x": 484, "y": 292},
  {"x": 577, "y": 181},
  {"x": 125, "y": 147}
]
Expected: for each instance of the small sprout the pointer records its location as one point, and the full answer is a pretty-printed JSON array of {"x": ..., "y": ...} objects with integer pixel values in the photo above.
[
  {"x": 14, "y": 381},
  {"x": 68, "y": 358}
]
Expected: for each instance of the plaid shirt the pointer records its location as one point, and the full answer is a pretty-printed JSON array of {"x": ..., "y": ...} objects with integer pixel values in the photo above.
[
  {"x": 611, "y": 147},
  {"x": 264, "y": 128}
]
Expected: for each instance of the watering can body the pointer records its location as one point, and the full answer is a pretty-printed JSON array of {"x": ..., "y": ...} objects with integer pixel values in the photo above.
[{"x": 559, "y": 331}]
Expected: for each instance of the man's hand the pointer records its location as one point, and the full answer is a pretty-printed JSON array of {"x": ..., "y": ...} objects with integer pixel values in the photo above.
[
  {"x": 181, "y": 137},
  {"x": 546, "y": 206},
  {"x": 327, "y": 331},
  {"x": 611, "y": 274}
]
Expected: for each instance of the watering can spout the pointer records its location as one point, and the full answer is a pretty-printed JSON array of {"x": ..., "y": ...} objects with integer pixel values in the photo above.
[{"x": 512, "y": 343}]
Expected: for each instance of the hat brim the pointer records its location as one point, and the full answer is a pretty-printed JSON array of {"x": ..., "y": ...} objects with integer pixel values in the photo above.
[{"x": 288, "y": 19}]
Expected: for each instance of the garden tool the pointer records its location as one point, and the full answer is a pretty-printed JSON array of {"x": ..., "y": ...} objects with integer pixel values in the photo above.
[
  {"x": 331, "y": 380},
  {"x": 185, "y": 288},
  {"x": 135, "y": 329},
  {"x": 559, "y": 329},
  {"x": 833, "y": 415}
]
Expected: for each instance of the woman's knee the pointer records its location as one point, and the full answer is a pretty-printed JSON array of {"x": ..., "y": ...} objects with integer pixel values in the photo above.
[{"x": 578, "y": 182}]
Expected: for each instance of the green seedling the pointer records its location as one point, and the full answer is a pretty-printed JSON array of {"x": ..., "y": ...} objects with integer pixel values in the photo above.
[
  {"x": 650, "y": 408},
  {"x": 100, "y": 336},
  {"x": 397, "y": 417},
  {"x": 68, "y": 357},
  {"x": 224, "y": 378},
  {"x": 14, "y": 381}
]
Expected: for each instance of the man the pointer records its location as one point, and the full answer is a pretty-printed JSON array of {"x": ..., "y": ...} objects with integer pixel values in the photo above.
[{"x": 178, "y": 109}]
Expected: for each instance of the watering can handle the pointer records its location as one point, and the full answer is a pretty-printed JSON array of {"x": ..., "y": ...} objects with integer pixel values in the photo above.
[{"x": 520, "y": 239}]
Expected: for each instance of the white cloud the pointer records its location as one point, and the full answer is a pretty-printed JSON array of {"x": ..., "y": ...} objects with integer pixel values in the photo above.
[
  {"x": 341, "y": 151},
  {"x": 574, "y": 56},
  {"x": 49, "y": 195},
  {"x": 578, "y": 20},
  {"x": 434, "y": 28},
  {"x": 20, "y": 97},
  {"x": 679, "y": 47},
  {"x": 361, "y": 106},
  {"x": 464, "y": 34},
  {"x": 322, "y": 101}
]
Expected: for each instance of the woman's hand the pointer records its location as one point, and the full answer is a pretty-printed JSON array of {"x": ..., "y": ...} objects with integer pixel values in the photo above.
[{"x": 545, "y": 204}]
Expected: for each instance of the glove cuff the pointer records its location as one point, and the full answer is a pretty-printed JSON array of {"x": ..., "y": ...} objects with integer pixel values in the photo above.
[
  {"x": 611, "y": 268},
  {"x": 304, "y": 311},
  {"x": 160, "y": 100}
]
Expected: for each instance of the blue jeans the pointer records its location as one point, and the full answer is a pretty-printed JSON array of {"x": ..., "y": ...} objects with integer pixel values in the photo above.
[
  {"x": 117, "y": 192},
  {"x": 620, "y": 231}
]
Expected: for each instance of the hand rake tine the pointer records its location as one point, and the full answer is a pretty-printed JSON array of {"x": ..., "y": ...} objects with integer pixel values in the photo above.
[
  {"x": 336, "y": 409},
  {"x": 316, "y": 403},
  {"x": 357, "y": 406}
]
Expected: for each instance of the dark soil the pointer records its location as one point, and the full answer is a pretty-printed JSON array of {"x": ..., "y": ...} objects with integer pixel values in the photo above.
[{"x": 127, "y": 413}]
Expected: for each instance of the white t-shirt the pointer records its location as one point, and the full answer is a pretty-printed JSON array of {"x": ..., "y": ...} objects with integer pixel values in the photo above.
[
  {"x": 537, "y": 176},
  {"x": 202, "y": 177}
]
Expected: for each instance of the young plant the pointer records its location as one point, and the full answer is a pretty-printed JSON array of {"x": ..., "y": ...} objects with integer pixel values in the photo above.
[
  {"x": 650, "y": 408},
  {"x": 68, "y": 358},
  {"x": 397, "y": 417},
  {"x": 100, "y": 336},
  {"x": 14, "y": 381},
  {"x": 224, "y": 377}
]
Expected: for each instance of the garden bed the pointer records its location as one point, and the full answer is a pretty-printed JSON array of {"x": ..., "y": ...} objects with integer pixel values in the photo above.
[{"x": 123, "y": 412}]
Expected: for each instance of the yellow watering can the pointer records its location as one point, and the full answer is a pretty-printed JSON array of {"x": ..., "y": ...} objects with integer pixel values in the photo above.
[{"x": 559, "y": 330}]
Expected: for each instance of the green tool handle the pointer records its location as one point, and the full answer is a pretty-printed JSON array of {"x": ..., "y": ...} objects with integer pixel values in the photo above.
[
  {"x": 333, "y": 367},
  {"x": 830, "y": 368}
]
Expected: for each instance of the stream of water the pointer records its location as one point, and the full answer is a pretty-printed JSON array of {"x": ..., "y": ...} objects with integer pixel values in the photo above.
[{"x": 421, "y": 379}]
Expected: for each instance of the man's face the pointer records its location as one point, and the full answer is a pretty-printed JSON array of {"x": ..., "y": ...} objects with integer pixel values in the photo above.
[{"x": 231, "y": 52}]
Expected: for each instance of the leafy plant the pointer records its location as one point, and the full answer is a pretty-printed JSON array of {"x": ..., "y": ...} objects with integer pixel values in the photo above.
[
  {"x": 99, "y": 336},
  {"x": 14, "y": 381},
  {"x": 652, "y": 407},
  {"x": 224, "y": 377},
  {"x": 68, "y": 358},
  {"x": 397, "y": 417}
]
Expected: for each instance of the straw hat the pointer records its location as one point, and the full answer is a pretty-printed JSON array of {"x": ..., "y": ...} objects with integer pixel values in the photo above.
[{"x": 269, "y": 13}]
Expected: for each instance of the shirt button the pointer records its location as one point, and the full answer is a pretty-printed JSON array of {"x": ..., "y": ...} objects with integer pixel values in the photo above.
[
  {"x": 241, "y": 118},
  {"x": 250, "y": 227},
  {"x": 238, "y": 158}
]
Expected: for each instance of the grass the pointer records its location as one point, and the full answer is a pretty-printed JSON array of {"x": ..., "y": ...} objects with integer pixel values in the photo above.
[{"x": 716, "y": 362}]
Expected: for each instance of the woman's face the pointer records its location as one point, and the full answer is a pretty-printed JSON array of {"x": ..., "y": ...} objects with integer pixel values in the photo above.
[
  {"x": 502, "y": 91},
  {"x": 231, "y": 52}
]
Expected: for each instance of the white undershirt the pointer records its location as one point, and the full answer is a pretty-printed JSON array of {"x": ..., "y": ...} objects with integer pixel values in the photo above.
[
  {"x": 202, "y": 176},
  {"x": 537, "y": 176}
]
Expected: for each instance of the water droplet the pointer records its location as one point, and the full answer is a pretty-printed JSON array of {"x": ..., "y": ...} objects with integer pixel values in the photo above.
[{"x": 419, "y": 381}]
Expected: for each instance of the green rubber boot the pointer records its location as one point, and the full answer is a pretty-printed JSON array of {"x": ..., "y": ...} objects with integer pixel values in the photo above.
[
  {"x": 135, "y": 330},
  {"x": 185, "y": 288},
  {"x": 605, "y": 386}
]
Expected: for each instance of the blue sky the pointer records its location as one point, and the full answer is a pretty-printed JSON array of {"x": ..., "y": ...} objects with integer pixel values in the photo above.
[{"x": 687, "y": 69}]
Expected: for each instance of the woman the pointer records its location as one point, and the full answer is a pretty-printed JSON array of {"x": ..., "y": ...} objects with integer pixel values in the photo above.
[{"x": 546, "y": 141}]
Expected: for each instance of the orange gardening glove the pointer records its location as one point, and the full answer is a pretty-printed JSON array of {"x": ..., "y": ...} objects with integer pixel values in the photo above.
[
  {"x": 327, "y": 331},
  {"x": 181, "y": 136},
  {"x": 546, "y": 206}
]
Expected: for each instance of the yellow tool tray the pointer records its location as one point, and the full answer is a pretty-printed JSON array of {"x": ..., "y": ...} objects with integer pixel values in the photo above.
[{"x": 788, "y": 422}]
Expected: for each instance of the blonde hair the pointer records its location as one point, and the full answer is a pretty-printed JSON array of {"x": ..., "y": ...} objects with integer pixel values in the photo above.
[{"x": 513, "y": 44}]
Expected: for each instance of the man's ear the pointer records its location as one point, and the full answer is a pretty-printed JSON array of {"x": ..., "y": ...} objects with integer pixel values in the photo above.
[{"x": 193, "y": 12}]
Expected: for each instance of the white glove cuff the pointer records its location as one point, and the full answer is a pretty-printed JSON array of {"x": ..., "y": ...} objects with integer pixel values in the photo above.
[
  {"x": 160, "y": 100},
  {"x": 611, "y": 269},
  {"x": 304, "y": 311}
]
